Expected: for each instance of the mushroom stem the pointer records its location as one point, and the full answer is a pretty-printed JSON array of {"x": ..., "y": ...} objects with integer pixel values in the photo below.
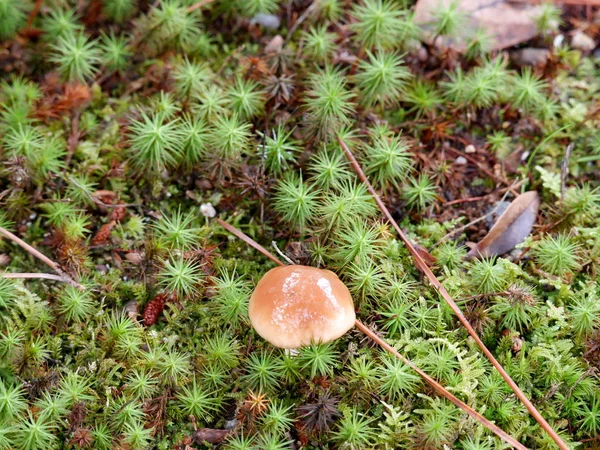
[
  {"x": 422, "y": 265},
  {"x": 383, "y": 344}
]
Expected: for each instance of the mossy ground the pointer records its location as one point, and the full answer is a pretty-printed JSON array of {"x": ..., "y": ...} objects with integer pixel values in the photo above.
[{"x": 121, "y": 121}]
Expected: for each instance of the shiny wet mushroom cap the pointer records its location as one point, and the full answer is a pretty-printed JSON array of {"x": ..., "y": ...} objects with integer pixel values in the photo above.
[{"x": 294, "y": 305}]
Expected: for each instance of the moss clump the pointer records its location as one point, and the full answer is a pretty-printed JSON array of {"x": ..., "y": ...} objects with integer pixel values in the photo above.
[{"x": 125, "y": 129}]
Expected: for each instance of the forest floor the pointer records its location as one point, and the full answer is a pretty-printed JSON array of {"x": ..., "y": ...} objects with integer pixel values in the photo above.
[{"x": 127, "y": 128}]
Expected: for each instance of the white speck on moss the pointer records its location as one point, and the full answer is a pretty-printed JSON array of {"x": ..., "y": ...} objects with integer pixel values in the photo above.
[{"x": 208, "y": 210}]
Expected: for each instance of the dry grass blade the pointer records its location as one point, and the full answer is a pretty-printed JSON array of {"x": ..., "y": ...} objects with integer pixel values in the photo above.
[
  {"x": 441, "y": 389},
  {"x": 29, "y": 249},
  {"x": 198, "y": 5},
  {"x": 373, "y": 336},
  {"x": 45, "y": 276},
  {"x": 248, "y": 240},
  {"x": 423, "y": 267}
]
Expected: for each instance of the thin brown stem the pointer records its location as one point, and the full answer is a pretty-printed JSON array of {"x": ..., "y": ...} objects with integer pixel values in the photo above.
[
  {"x": 29, "y": 249},
  {"x": 373, "y": 336},
  {"x": 45, "y": 276},
  {"x": 439, "y": 388},
  {"x": 516, "y": 185},
  {"x": 421, "y": 265},
  {"x": 474, "y": 221},
  {"x": 301, "y": 19},
  {"x": 198, "y": 5},
  {"x": 248, "y": 240},
  {"x": 36, "y": 253},
  {"x": 34, "y": 12}
]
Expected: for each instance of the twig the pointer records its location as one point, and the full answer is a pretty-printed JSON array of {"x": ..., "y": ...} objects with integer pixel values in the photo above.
[
  {"x": 564, "y": 172},
  {"x": 308, "y": 11},
  {"x": 479, "y": 166},
  {"x": 98, "y": 201},
  {"x": 73, "y": 139},
  {"x": 421, "y": 265},
  {"x": 473, "y": 222},
  {"x": 29, "y": 249},
  {"x": 33, "y": 14},
  {"x": 515, "y": 185},
  {"x": 46, "y": 276},
  {"x": 198, "y": 5},
  {"x": 373, "y": 336},
  {"x": 465, "y": 200},
  {"x": 441, "y": 389},
  {"x": 248, "y": 240}
]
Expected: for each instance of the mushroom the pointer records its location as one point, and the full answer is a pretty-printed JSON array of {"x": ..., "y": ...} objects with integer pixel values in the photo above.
[{"x": 295, "y": 305}]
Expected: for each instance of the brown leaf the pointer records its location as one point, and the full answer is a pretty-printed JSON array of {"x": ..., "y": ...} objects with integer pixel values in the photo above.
[
  {"x": 210, "y": 435},
  {"x": 505, "y": 23},
  {"x": 511, "y": 228},
  {"x": 134, "y": 258}
]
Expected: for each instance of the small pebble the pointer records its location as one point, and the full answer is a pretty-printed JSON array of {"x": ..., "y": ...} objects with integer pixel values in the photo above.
[
  {"x": 537, "y": 57},
  {"x": 517, "y": 344},
  {"x": 293, "y": 352},
  {"x": 470, "y": 149},
  {"x": 558, "y": 40},
  {"x": 208, "y": 210},
  {"x": 134, "y": 258},
  {"x": 131, "y": 309},
  {"x": 230, "y": 424},
  {"x": 269, "y": 21},
  {"x": 275, "y": 45},
  {"x": 583, "y": 42},
  {"x": 4, "y": 260},
  {"x": 102, "y": 268}
]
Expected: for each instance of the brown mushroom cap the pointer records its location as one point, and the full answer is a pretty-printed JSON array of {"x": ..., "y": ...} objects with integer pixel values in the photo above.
[{"x": 294, "y": 305}]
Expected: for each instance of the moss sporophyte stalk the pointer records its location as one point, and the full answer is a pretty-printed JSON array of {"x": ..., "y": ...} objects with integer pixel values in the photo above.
[{"x": 375, "y": 144}]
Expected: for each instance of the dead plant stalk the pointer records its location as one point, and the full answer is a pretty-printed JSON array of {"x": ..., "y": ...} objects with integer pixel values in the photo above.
[
  {"x": 32, "y": 251},
  {"x": 423, "y": 267}
]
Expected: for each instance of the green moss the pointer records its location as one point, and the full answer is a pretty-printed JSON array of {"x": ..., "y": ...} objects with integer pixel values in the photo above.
[{"x": 113, "y": 148}]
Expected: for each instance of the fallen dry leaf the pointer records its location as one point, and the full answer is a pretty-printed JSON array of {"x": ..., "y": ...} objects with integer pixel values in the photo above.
[
  {"x": 505, "y": 23},
  {"x": 210, "y": 435},
  {"x": 511, "y": 228}
]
